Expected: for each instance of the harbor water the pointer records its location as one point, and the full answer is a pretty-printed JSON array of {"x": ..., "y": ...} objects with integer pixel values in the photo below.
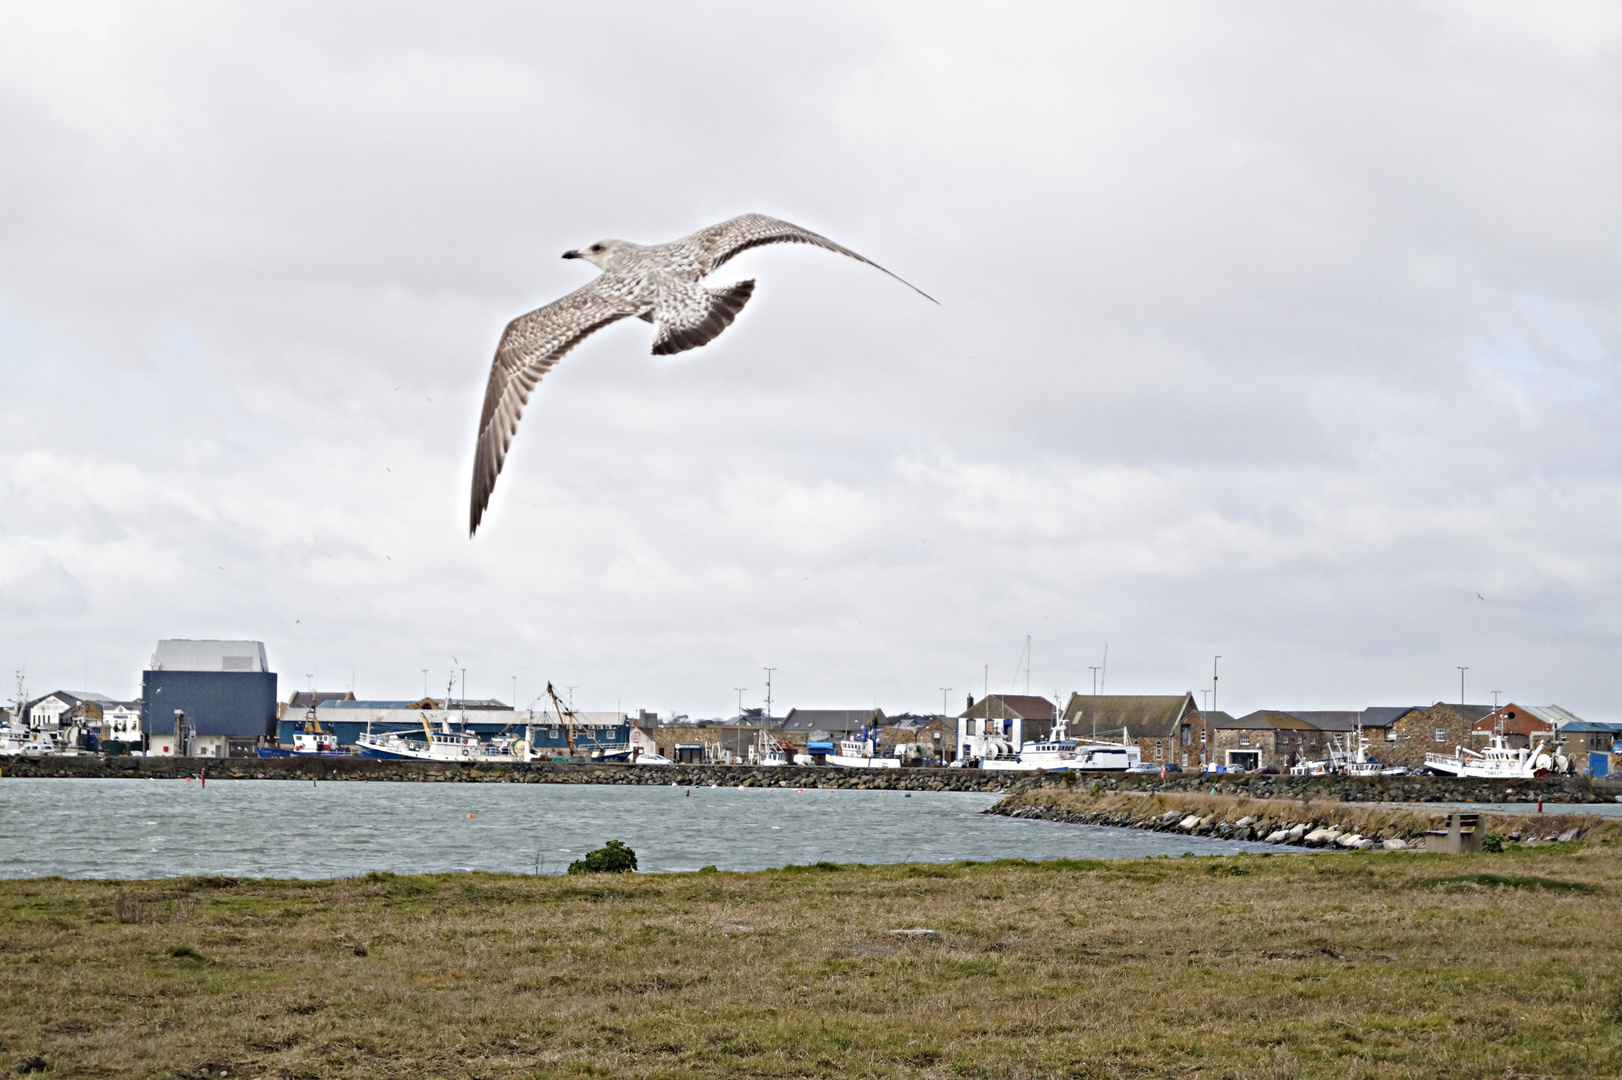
[{"x": 270, "y": 828}]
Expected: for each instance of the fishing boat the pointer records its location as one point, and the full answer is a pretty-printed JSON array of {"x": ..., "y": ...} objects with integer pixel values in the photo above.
[
  {"x": 1498, "y": 761},
  {"x": 446, "y": 744},
  {"x": 19, "y": 742},
  {"x": 859, "y": 753},
  {"x": 1059, "y": 752},
  {"x": 309, "y": 742}
]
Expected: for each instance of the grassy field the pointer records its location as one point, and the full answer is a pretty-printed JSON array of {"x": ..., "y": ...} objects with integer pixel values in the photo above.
[{"x": 1351, "y": 965}]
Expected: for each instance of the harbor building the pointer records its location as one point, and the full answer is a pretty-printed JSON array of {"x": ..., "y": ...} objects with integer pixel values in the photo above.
[
  {"x": 1013, "y": 719},
  {"x": 1168, "y": 728},
  {"x": 1436, "y": 730},
  {"x": 85, "y": 720},
  {"x": 208, "y": 698},
  {"x": 1264, "y": 739}
]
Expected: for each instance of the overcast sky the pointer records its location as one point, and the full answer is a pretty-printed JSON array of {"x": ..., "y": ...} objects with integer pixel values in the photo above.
[{"x": 1283, "y": 332}]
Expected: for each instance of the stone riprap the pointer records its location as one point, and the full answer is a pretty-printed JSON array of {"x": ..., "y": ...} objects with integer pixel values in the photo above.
[
  {"x": 1328, "y": 788},
  {"x": 1312, "y": 823}
]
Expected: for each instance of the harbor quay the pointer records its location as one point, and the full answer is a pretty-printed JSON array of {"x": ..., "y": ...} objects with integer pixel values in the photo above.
[{"x": 1325, "y": 788}]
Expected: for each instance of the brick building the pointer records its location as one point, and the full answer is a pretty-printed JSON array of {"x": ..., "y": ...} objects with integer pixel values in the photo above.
[
  {"x": 1436, "y": 730},
  {"x": 1265, "y": 738}
]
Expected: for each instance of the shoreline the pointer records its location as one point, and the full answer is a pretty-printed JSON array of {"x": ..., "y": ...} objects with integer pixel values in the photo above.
[
  {"x": 1362, "y": 790},
  {"x": 1300, "y": 823}
]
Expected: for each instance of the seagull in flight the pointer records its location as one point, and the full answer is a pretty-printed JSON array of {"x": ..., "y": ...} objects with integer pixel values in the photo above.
[{"x": 659, "y": 283}]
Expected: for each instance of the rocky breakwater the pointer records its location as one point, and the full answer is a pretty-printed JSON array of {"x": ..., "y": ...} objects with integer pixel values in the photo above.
[
  {"x": 1351, "y": 789},
  {"x": 1296, "y": 823},
  {"x": 371, "y": 769}
]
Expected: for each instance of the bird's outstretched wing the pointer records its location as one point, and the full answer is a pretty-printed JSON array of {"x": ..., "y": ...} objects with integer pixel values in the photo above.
[
  {"x": 529, "y": 347},
  {"x": 718, "y": 243}
]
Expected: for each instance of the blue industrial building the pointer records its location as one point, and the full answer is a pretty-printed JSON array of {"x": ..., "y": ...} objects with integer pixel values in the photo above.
[{"x": 223, "y": 688}]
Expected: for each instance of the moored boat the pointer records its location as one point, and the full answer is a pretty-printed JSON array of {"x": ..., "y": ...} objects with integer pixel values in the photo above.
[
  {"x": 1498, "y": 760},
  {"x": 859, "y": 754}
]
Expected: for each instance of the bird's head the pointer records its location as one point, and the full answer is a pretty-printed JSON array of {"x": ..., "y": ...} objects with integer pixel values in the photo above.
[{"x": 602, "y": 254}]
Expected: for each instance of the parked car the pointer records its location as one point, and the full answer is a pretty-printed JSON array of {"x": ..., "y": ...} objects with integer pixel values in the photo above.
[
  {"x": 1268, "y": 770},
  {"x": 1151, "y": 767}
]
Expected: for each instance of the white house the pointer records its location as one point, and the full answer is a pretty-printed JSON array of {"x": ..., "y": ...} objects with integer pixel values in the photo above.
[{"x": 53, "y": 711}]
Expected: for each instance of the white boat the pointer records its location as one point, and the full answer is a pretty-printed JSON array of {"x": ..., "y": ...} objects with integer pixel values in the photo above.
[
  {"x": 1058, "y": 753},
  {"x": 17, "y": 742},
  {"x": 1498, "y": 761},
  {"x": 858, "y": 754},
  {"x": 445, "y": 744}
]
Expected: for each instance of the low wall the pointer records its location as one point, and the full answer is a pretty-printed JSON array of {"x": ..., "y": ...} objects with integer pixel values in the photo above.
[{"x": 1339, "y": 789}]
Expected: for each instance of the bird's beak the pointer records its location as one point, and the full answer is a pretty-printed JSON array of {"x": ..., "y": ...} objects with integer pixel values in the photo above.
[{"x": 571, "y": 254}]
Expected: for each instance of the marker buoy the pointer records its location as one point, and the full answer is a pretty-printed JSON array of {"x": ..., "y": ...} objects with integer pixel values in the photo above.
[
  {"x": 689, "y": 793},
  {"x": 470, "y": 815}
]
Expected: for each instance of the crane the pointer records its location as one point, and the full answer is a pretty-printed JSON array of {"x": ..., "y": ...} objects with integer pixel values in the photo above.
[{"x": 565, "y": 717}]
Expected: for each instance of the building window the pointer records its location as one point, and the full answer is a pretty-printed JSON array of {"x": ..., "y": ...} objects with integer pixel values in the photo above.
[
  {"x": 1185, "y": 759},
  {"x": 1184, "y": 736},
  {"x": 1244, "y": 740},
  {"x": 1441, "y": 734},
  {"x": 1160, "y": 750}
]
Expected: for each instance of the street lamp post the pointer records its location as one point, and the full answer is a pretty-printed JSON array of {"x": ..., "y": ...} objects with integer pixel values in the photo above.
[
  {"x": 1462, "y": 670},
  {"x": 1094, "y": 669}
]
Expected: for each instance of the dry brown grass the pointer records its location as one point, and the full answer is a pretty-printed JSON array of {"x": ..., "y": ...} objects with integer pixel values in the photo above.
[
  {"x": 1369, "y": 819},
  {"x": 1358, "y": 965}
]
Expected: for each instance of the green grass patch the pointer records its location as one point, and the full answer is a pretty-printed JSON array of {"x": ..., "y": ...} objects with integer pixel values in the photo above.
[{"x": 1517, "y": 881}]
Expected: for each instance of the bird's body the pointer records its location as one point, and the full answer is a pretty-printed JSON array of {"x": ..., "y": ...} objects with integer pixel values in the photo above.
[{"x": 660, "y": 283}]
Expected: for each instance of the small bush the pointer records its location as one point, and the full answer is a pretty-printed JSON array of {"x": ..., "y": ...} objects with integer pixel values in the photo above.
[
  {"x": 615, "y": 858},
  {"x": 1492, "y": 842},
  {"x": 127, "y": 908}
]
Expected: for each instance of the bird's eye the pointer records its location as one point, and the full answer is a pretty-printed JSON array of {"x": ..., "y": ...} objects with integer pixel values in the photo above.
[{"x": 596, "y": 247}]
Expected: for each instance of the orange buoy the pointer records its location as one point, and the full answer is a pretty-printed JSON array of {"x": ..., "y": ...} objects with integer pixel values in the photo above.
[{"x": 470, "y": 815}]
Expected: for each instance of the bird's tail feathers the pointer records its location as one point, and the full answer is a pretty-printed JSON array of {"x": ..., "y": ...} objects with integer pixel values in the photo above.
[{"x": 687, "y": 318}]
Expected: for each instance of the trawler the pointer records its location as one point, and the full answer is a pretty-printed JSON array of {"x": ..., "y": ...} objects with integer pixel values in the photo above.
[
  {"x": 859, "y": 753},
  {"x": 1498, "y": 761},
  {"x": 1058, "y": 752}
]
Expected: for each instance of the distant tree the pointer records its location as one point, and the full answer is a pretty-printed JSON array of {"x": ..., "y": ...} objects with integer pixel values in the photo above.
[{"x": 616, "y": 858}]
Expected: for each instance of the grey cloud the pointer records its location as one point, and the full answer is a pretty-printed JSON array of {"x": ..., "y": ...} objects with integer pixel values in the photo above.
[{"x": 1276, "y": 332}]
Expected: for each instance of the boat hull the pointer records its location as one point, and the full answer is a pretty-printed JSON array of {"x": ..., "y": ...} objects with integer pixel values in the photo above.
[{"x": 846, "y": 762}]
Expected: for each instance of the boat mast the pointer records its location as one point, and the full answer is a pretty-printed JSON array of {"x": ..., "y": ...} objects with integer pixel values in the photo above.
[{"x": 565, "y": 717}]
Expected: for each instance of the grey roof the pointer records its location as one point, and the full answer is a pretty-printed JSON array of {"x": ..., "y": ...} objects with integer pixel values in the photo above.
[
  {"x": 305, "y": 699},
  {"x": 1008, "y": 706},
  {"x": 1220, "y": 719},
  {"x": 842, "y": 720},
  {"x": 1143, "y": 715},
  {"x": 1380, "y": 716},
  {"x": 185, "y": 654},
  {"x": 1272, "y": 719},
  {"x": 1386, "y": 715},
  {"x": 73, "y": 697},
  {"x": 1330, "y": 719}
]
